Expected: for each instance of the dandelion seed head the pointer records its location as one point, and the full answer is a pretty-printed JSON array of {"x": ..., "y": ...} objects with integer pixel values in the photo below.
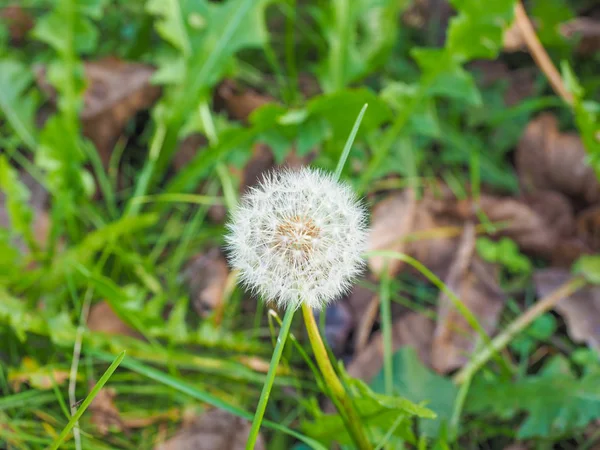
[{"x": 298, "y": 237}]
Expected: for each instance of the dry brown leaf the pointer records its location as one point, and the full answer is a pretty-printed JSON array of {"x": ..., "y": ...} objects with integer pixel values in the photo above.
[
  {"x": 238, "y": 102},
  {"x": 475, "y": 282},
  {"x": 581, "y": 311},
  {"x": 588, "y": 227},
  {"x": 548, "y": 159},
  {"x": 516, "y": 446},
  {"x": 585, "y": 29},
  {"x": 116, "y": 91},
  {"x": 521, "y": 82},
  {"x": 392, "y": 219},
  {"x": 214, "y": 430},
  {"x": 206, "y": 276},
  {"x": 103, "y": 319},
  {"x": 19, "y": 22},
  {"x": 521, "y": 222},
  {"x": 105, "y": 414},
  {"x": 412, "y": 329}
]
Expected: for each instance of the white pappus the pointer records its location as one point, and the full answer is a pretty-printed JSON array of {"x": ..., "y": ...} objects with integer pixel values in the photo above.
[{"x": 298, "y": 237}]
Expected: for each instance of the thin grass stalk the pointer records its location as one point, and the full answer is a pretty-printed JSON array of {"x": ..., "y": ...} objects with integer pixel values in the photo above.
[{"x": 266, "y": 390}]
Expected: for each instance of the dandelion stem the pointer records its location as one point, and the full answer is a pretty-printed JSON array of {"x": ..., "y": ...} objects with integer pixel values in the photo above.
[
  {"x": 337, "y": 391},
  {"x": 266, "y": 391}
]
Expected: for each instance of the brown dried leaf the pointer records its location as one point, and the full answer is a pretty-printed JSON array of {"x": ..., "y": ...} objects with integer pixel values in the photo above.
[
  {"x": 585, "y": 29},
  {"x": 105, "y": 414},
  {"x": 240, "y": 103},
  {"x": 392, "y": 219},
  {"x": 522, "y": 223},
  {"x": 521, "y": 82},
  {"x": 214, "y": 430},
  {"x": 548, "y": 159},
  {"x": 116, "y": 91},
  {"x": 19, "y": 22},
  {"x": 475, "y": 282},
  {"x": 206, "y": 276},
  {"x": 581, "y": 311},
  {"x": 412, "y": 329},
  {"x": 588, "y": 227},
  {"x": 103, "y": 319}
]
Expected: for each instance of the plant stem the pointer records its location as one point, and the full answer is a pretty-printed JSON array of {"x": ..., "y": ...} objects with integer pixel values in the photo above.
[
  {"x": 539, "y": 54},
  {"x": 518, "y": 325},
  {"x": 341, "y": 398},
  {"x": 266, "y": 391}
]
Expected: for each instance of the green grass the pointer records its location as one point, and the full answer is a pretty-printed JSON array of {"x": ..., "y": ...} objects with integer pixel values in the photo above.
[{"x": 124, "y": 232}]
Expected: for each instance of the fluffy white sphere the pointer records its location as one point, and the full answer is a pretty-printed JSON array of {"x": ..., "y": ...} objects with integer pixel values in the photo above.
[{"x": 298, "y": 237}]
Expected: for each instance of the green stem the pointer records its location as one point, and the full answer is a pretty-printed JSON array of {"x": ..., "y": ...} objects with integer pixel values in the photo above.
[
  {"x": 341, "y": 398},
  {"x": 266, "y": 391}
]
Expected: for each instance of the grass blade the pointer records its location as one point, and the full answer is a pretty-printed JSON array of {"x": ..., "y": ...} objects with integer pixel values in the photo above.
[{"x": 88, "y": 400}]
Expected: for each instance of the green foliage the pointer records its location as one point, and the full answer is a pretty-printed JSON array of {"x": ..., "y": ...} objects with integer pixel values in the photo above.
[
  {"x": 557, "y": 402},
  {"x": 17, "y": 198},
  {"x": 205, "y": 36},
  {"x": 379, "y": 413},
  {"x": 504, "y": 252},
  {"x": 429, "y": 116},
  {"x": 359, "y": 36},
  {"x": 419, "y": 384},
  {"x": 586, "y": 116},
  {"x": 540, "y": 330},
  {"x": 589, "y": 267},
  {"x": 17, "y": 104}
]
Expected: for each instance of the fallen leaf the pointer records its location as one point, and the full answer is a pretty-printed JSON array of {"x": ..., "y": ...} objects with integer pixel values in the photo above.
[
  {"x": 516, "y": 447},
  {"x": 19, "y": 22},
  {"x": 585, "y": 30},
  {"x": 588, "y": 227},
  {"x": 105, "y": 414},
  {"x": 40, "y": 377},
  {"x": 475, "y": 282},
  {"x": 116, "y": 91},
  {"x": 581, "y": 310},
  {"x": 548, "y": 159},
  {"x": 519, "y": 222},
  {"x": 206, "y": 277},
  {"x": 391, "y": 220},
  {"x": 214, "y": 430},
  {"x": 238, "y": 102},
  {"x": 365, "y": 324},
  {"x": 103, "y": 319},
  {"x": 412, "y": 330},
  {"x": 520, "y": 82}
]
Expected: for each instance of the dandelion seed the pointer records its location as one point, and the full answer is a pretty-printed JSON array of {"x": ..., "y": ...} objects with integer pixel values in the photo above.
[{"x": 298, "y": 237}]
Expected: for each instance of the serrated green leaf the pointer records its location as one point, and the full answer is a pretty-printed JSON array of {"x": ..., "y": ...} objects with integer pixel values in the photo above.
[
  {"x": 423, "y": 119},
  {"x": 589, "y": 267},
  {"x": 556, "y": 401},
  {"x": 447, "y": 77},
  {"x": 378, "y": 413},
  {"x": 359, "y": 35},
  {"x": 16, "y": 103},
  {"x": 476, "y": 32},
  {"x": 17, "y": 201},
  {"x": 53, "y": 30},
  {"x": 420, "y": 385},
  {"x": 171, "y": 25},
  {"x": 15, "y": 313}
]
